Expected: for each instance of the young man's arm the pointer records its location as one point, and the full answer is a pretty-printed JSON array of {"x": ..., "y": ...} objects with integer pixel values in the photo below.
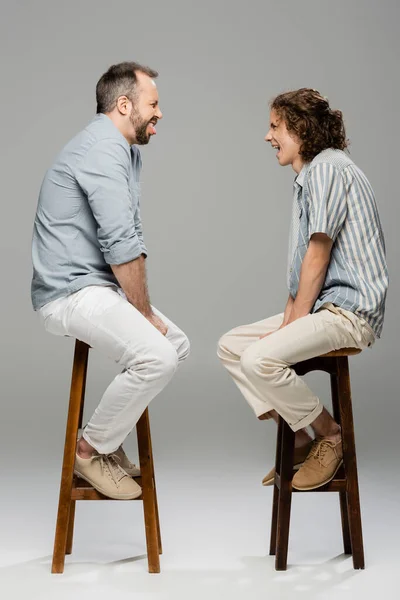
[
  {"x": 328, "y": 208},
  {"x": 286, "y": 315},
  {"x": 288, "y": 310},
  {"x": 312, "y": 276}
]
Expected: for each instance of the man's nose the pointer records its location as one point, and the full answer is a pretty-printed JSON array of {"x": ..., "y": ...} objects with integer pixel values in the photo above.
[
  {"x": 268, "y": 137},
  {"x": 159, "y": 114}
]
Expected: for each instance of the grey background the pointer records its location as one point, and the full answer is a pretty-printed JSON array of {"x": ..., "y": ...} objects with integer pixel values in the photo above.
[{"x": 215, "y": 206}]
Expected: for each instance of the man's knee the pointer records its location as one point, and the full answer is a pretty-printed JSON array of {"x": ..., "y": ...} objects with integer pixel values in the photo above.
[
  {"x": 184, "y": 349},
  {"x": 224, "y": 347},
  {"x": 255, "y": 366},
  {"x": 158, "y": 361},
  {"x": 165, "y": 361}
]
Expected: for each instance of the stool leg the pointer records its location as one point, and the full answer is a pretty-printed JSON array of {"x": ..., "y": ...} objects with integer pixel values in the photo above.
[
  {"x": 155, "y": 495},
  {"x": 342, "y": 495},
  {"x": 71, "y": 520},
  {"x": 285, "y": 497},
  {"x": 71, "y": 523},
  {"x": 275, "y": 503},
  {"x": 350, "y": 463},
  {"x": 64, "y": 504},
  {"x": 148, "y": 492}
]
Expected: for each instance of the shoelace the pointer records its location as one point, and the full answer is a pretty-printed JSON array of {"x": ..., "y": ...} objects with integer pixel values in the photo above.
[
  {"x": 124, "y": 459},
  {"x": 319, "y": 450},
  {"x": 110, "y": 463}
]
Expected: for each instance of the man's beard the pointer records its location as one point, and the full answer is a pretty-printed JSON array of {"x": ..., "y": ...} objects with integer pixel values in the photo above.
[{"x": 140, "y": 126}]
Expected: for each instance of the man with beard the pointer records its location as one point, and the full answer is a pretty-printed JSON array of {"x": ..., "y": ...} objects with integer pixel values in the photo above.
[{"x": 89, "y": 275}]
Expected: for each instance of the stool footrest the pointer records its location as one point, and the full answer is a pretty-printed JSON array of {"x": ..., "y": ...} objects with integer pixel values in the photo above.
[
  {"x": 82, "y": 490},
  {"x": 337, "y": 484}
]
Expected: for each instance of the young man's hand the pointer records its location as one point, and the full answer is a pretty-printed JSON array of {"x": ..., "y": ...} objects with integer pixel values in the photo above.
[{"x": 271, "y": 332}]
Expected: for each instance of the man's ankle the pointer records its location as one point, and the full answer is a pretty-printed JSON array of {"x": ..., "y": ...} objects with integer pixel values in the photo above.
[
  {"x": 334, "y": 435},
  {"x": 84, "y": 449}
]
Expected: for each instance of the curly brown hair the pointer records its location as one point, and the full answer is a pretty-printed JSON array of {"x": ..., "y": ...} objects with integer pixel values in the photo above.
[{"x": 308, "y": 115}]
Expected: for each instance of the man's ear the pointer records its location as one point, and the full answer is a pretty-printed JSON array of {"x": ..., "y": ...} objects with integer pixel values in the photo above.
[{"x": 123, "y": 105}]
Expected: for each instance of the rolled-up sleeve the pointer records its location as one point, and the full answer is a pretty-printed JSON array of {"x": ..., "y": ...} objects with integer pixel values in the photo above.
[
  {"x": 327, "y": 200},
  {"x": 139, "y": 229},
  {"x": 104, "y": 177}
]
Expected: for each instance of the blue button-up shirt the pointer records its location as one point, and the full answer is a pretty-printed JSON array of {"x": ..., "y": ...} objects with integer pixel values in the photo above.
[
  {"x": 333, "y": 196},
  {"x": 88, "y": 213}
]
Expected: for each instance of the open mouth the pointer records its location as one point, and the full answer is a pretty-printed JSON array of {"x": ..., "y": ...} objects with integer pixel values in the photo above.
[
  {"x": 152, "y": 125},
  {"x": 276, "y": 147}
]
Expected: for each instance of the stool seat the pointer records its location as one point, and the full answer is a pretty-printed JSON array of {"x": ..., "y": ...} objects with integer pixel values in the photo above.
[{"x": 342, "y": 352}]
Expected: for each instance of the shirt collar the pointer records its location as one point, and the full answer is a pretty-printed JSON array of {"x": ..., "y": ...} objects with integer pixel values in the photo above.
[
  {"x": 111, "y": 128},
  {"x": 302, "y": 175}
]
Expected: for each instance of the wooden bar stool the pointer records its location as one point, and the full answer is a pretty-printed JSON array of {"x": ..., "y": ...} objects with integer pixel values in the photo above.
[
  {"x": 73, "y": 488},
  {"x": 345, "y": 481}
]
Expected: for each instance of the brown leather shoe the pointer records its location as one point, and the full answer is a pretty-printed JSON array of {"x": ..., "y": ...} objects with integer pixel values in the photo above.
[
  {"x": 300, "y": 455},
  {"x": 320, "y": 466}
]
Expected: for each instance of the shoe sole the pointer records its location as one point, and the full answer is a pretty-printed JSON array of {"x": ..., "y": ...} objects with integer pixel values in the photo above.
[
  {"x": 315, "y": 487},
  {"x": 271, "y": 481},
  {"x": 98, "y": 488}
]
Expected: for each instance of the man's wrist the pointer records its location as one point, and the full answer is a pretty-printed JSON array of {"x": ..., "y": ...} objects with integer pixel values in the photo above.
[
  {"x": 143, "y": 307},
  {"x": 297, "y": 313}
]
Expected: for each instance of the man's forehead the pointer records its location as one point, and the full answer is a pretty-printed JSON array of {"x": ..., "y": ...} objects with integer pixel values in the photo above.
[
  {"x": 149, "y": 93},
  {"x": 145, "y": 80},
  {"x": 274, "y": 118}
]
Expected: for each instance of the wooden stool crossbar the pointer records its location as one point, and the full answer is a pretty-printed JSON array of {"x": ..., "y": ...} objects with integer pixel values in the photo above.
[
  {"x": 73, "y": 488},
  {"x": 345, "y": 481}
]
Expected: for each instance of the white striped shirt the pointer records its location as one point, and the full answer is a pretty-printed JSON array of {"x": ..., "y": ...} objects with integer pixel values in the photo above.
[{"x": 333, "y": 196}]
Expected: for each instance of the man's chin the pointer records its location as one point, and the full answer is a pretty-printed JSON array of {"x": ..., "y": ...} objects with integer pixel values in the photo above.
[
  {"x": 283, "y": 162},
  {"x": 143, "y": 141}
]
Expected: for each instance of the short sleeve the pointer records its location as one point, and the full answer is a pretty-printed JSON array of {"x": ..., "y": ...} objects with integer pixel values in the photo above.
[
  {"x": 104, "y": 177},
  {"x": 327, "y": 200}
]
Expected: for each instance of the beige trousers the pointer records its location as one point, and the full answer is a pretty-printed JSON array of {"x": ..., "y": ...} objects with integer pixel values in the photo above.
[{"x": 261, "y": 368}]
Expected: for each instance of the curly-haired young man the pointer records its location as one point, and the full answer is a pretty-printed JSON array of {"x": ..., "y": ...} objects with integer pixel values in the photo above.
[{"x": 337, "y": 279}]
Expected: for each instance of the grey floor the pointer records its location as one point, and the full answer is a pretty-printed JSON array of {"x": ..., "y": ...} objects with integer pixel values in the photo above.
[
  {"x": 210, "y": 456},
  {"x": 215, "y": 525}
]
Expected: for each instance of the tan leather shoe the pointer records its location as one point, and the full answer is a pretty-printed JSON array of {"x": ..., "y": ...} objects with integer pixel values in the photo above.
[
  {"x": 103, "y": 472},
  {"x": 320, "y": 466},
  {"x": 125, "y": 463},
  {"x": 300, "y": 455}
]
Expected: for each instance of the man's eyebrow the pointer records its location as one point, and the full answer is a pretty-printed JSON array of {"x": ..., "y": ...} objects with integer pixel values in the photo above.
[{"x": 154, "y": 102}]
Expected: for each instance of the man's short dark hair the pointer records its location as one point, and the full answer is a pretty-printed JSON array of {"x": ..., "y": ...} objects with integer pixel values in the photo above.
[
  {"x": 119, "y": 80},
  {"x": 308, "y": 115}
]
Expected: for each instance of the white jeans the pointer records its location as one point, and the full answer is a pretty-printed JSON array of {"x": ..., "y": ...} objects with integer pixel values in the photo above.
[
  {"x": 102, "y": 317},
  {"x": 261, "y": 368}
]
